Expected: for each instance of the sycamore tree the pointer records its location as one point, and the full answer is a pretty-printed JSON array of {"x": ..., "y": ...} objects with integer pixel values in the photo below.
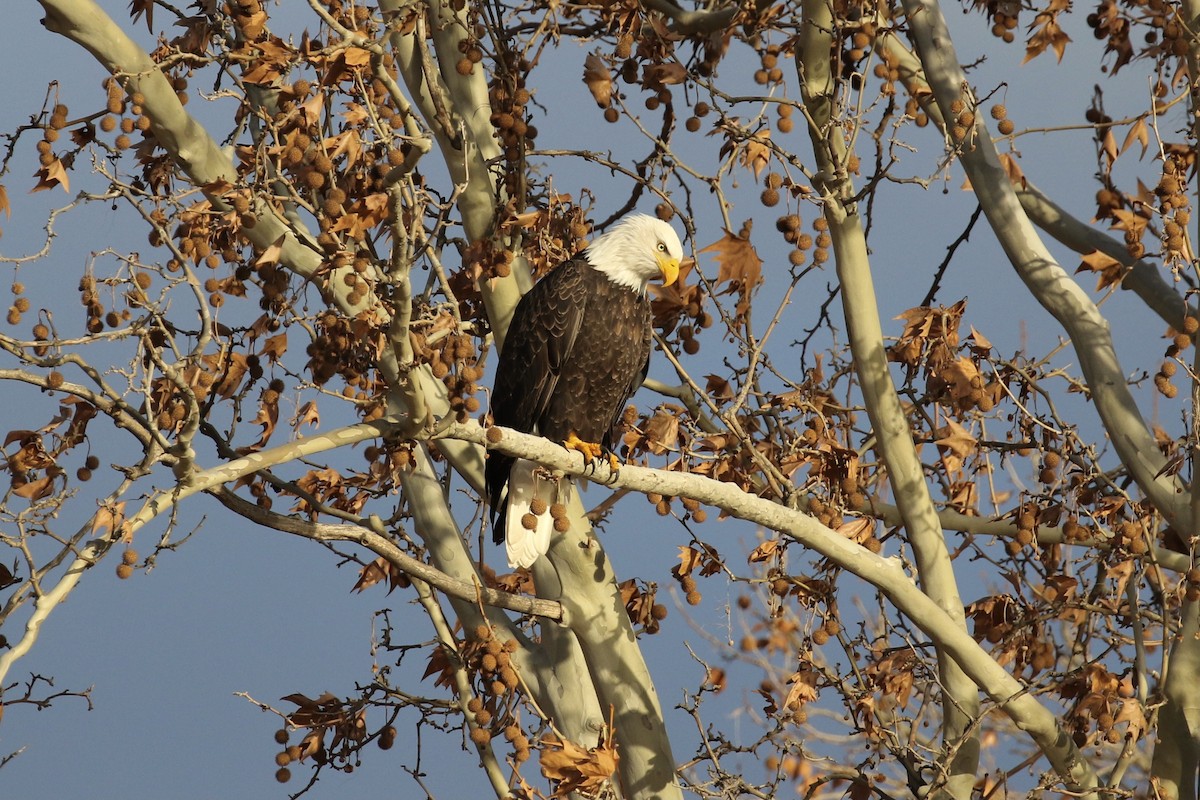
[{"x": 337, "y": 205}]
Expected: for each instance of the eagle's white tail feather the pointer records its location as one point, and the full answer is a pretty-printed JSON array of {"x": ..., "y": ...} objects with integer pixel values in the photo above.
[{"x": 522, "y": 545}]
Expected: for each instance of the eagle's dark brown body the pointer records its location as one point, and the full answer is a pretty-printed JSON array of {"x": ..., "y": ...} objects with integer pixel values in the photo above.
[{"x": 578, "y": 348}]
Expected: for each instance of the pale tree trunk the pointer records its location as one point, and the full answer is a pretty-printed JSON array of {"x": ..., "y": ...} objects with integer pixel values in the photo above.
[
  {"x": 589, "y": 671},
  {"x": 960, "y": 701},
  {"x": 1176, "y": 762}
]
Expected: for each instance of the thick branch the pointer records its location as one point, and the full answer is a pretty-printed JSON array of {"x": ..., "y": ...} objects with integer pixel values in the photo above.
[
  {"x": 185, "y": 139},
  {"x": 886, "y": 574},
  {"x": 893, "y": 436},
  {"x": 1177, "y": 754},
  {"x": 1046, "y": 280},
  {"x": 1143, "y": 279},
  {"x": 466, "y": 141},
  {"x": 578, "y": 574},
  {"x": 202, "y": 480}
]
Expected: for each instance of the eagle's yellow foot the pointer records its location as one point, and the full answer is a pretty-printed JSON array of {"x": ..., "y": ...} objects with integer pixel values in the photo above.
[{"x": 591, "y": 452}]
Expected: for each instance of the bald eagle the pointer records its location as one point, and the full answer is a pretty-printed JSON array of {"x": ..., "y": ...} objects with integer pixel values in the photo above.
[{"x": 577, "y": 349}]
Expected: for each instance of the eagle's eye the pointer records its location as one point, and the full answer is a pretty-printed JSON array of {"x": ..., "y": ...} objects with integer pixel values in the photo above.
[{"x": 662, "y": 248}]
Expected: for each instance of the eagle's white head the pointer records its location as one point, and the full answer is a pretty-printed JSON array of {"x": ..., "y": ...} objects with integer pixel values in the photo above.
[{"x": 636, "y": 250}]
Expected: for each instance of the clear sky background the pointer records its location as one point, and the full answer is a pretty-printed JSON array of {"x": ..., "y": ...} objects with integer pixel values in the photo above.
[{"x": 244, "y": 610}]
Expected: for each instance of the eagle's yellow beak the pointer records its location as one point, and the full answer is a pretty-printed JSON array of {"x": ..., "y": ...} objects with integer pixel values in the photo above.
[{"x": 669, "y": 267}]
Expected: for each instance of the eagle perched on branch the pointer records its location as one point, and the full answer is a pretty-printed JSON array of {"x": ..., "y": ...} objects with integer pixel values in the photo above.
[{"x": 577, "y": 349}]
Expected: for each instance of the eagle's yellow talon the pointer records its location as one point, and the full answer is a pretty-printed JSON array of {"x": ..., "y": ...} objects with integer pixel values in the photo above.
[{"x": 590, "y": 450}]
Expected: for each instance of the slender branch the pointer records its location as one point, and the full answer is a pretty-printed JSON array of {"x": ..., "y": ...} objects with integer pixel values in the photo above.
[
  {"x": 694, "y": 21},
  {"x": 378, "y": 543},
  {"x": 462, "y": 683},
  {"x": 87, "y": 557}
]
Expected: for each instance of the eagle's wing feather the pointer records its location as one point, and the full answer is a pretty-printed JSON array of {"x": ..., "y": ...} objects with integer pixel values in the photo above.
[{"x": 541, "y": 335}]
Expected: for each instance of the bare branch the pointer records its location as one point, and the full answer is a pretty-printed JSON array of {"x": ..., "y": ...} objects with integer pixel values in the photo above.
[
  {"x": 371, "y": 536},
  {"x": 884, "y": 573}
]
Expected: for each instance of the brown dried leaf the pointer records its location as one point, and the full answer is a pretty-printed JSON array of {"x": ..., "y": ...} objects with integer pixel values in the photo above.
[
  {"x": 19, "y": 435},
  {"x": 1109, "y": 270},
  {"x": 8, "y": 576},
  {"x": 662, "y": 432},
  {"x": 312, "y": 743},
  {"x": 893, "y": 675},
  {"x": 1131, "y": 712},
  {"x": 268, "y": 416},
  {"x": 310, "y": 713},
  {"x": 1048, "y": 34},
  {"x": 271, "y": 254},
  {"x": 655, "y": 75},
  {"x": 689, "y": 559},
  {"x": 307, "y": 415},
  {"x": 38, "y": 488},
  {"x": 737, "y": 260},
  {"x": 718, "y": 388},
  {"x": 355, "y": 115},
  {"x": 1110, "y": 145},
  {"x": 441, "y": 666},
  {"x": 1121, "y": 573},
  {"x": 274, "y": 347},
  {"x": 357, "y": 57},
  {"x": 108, "y": 518},
  {"x": 804, "y": 690},
  {"x": 1012, "y": 169},
  {"x": 979, "y": 341},
  {"x": 379, "y": 570},
  {"x": 714, "y": 680},
  {"x": 789, "y": 400},
  {"x": 576, "y": 769},
  {"x": 139, "y": 7},
  {"x": 229, "y": 373},
  {"x": 757, "y": 152},
  {"x": 371, "y": 574},
  {"x": 861, "y": 790},
  {"x": 312, "y": 108},
  {"x": 1130, "y": 221},
  {"x": 51, "y": 175},
  {"x": 639, "y": 604},
  {"x": 956, "y": 438},
  {"x": 763, "y": 552},
  {"x": 1138, "y": 132},
  {"x": 857, "y": 530},
  {"x": 350, "y": 143},
  {"x": 253, "y": 24}
]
